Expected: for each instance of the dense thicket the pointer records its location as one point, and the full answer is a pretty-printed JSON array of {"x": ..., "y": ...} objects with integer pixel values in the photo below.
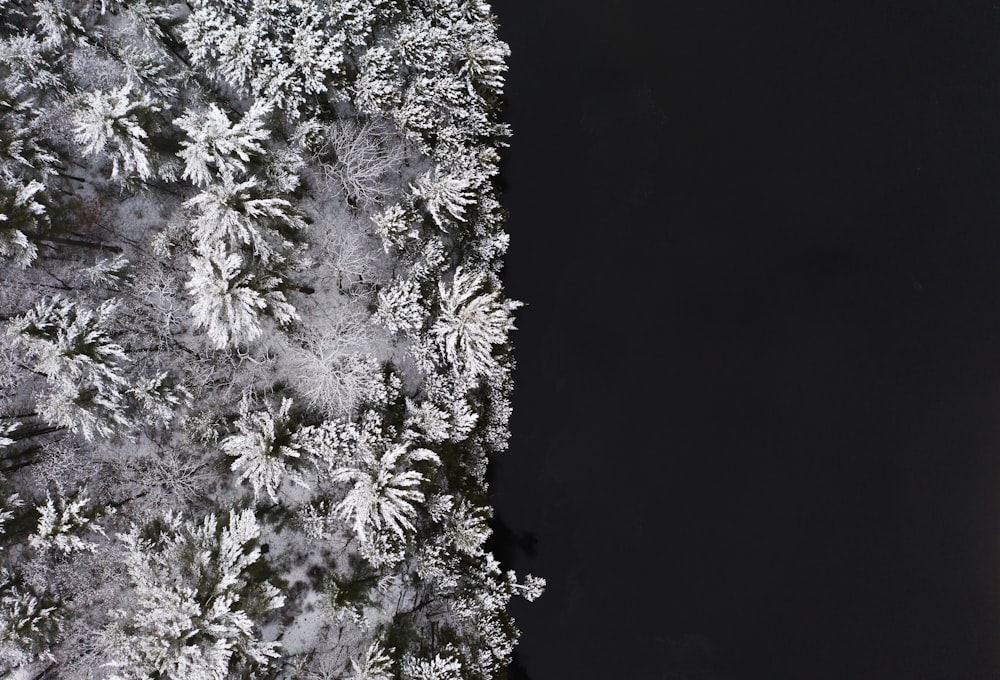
[{"x": 255, "y": 348}]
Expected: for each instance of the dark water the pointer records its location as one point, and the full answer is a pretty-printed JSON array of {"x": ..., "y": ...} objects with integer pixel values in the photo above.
[{"x": 756, "y": 425}]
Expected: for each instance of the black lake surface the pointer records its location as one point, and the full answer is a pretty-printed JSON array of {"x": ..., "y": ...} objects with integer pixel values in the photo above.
[{"x": 756, "y": 427}]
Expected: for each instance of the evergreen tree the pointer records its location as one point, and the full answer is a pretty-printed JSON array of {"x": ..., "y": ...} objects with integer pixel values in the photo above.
[
  {"x": 59, "y": 22},
  {"x": 214, "y": 140},
  {"x": 29, "y": 623},
  {"x": 231, "y": 302},
  {"x": 446, "y": 196},
  {"x": 71, "y": 346},
  {"x": 111, "y": 123},
  {"x": 436, "y": 668},
  {"x": 473, "y": 320},
  {"x": 193, "y": 607},
  {"x": 230, "y": 216},
  {"x": 376, "y": 664},
  {"x": 383, "y": 492},
  {"x": 400, "y": 308},
  {"x": 62, "y": 521},
  {"x": 279, "y": 51},
  {"x": 21, "y": 214},
  {"x": 265, "y": 448}
]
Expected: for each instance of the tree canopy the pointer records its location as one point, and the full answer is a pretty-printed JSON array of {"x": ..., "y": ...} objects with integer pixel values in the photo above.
[{"x": 256, "y": 351}]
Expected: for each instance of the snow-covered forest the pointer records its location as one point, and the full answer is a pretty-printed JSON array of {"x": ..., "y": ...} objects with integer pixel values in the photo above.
[{"x": 255, "y": 348}]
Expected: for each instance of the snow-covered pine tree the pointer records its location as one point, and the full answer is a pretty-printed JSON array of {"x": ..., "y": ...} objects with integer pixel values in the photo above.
[
  {"x": 485, "y": 631},
  {"x": 473, "y": 320},
  {"x": 230, "y": 216},
  {"x": 25, "y": 161},
  {"x": 278, "y": 50},
  {"x": 384, "y": 492},
  {"x": 21, "y": 214},
  {"x": 26, "y": 70},
  {"x": 397, "y": 225},
  {"x": 63, "y": 521},
  {"x": 231, "y": 303},
  {"x": 214, "y": 140},
  {"x": 410, "y": 78},
  {"x": 29, "y": 623},
  {"x": 265, "y": 448},
  {"x": 375, "y": 665},
  {"x": 445, "y": 195},
  {"x": 71, "y": 346},
  {"x": 26, "y": 83},
  {"x": 161, "y": 397},
  {"x": 13, "y": 501},
  {"x": 401, "y": 307},
  {"x": 114, "y": 123},
  {"x": 437, "y": 667},
  {"x": 59, "y": 22},
  {"x": 193, "y": 609}
]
